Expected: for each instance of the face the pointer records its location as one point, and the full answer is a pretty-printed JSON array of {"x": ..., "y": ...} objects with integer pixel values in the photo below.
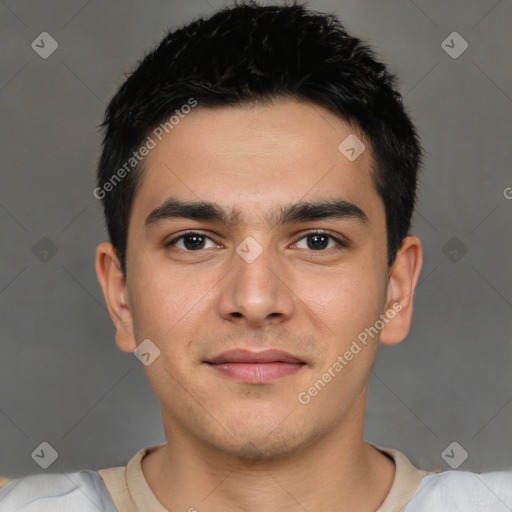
[{"x": 254, "y": 298}]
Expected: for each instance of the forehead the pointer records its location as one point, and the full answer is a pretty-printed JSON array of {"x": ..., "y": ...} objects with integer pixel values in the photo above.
[{"x": 253, "y": 159}]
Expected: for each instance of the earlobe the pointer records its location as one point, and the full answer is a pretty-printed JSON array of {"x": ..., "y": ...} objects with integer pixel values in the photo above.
[
  {"x": 400, "y": 294},
  {"x": 113, "y": 284}
]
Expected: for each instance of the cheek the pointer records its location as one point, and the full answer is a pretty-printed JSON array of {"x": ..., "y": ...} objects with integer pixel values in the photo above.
[
  {"x": 158, "y": 300},
  {"x": 170, "y": 304},
  {"x": 346, "y": 305},
  {"x": 169, "y": 309},
  {"x": 346, "y": 300}
]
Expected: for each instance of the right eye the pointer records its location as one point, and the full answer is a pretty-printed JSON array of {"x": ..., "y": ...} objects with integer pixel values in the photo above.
[{"x": 191, "y": 241}]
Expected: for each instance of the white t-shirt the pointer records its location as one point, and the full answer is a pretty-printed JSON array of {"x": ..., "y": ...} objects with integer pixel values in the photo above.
[{"x": 124, "y": 489}]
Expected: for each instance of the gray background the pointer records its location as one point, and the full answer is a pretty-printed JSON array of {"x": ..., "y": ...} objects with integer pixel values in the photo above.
[{"x": 62, "y": 378}]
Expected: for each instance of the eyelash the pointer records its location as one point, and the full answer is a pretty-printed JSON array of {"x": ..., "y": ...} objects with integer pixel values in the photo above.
[{"x": 339, "y": 242}]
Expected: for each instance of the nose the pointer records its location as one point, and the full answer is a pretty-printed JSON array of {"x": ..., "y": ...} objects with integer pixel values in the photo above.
[{"x": 258, "y": 292}]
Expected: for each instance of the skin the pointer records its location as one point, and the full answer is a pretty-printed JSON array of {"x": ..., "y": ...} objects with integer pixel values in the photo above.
[{"x": 239, "y": 446}]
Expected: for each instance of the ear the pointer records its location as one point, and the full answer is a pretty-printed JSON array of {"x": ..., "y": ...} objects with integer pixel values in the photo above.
[
  {"x": 113, "y": 284},
  {"x": 400, "y": 294}
]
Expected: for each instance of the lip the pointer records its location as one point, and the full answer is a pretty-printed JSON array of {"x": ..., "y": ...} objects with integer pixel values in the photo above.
[
  {"x": 248, "y": 356},
  {"x": 256, "y": 367}
]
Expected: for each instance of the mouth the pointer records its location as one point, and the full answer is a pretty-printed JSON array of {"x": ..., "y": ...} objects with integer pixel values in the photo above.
[{"x": 256, "y": 367}]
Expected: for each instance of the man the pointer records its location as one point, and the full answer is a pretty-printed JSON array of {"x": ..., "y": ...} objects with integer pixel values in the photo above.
[{"x": 258, "y": 178}]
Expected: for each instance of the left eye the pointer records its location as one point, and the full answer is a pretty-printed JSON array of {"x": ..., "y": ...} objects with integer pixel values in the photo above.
[{"x": 320, "y": 241}]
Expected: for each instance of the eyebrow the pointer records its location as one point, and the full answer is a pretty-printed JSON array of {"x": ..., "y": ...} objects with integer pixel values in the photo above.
[{"x": 174, "y": 208}]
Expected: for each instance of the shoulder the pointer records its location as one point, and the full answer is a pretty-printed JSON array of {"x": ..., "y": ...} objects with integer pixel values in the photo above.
[
  {"x": 453, "y": 491},
  {"x": 82, "y": 491}
]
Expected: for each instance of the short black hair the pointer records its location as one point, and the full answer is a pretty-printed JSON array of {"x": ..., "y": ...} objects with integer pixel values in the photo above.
[{"x": 250, "y": 53}]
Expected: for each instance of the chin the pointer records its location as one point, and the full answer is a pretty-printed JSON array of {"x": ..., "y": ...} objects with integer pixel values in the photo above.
[{"x": 266, "y": 440}]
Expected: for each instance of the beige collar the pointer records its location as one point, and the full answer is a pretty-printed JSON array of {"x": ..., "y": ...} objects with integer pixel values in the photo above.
[
  {"x": 131, "y": 492},
  {"x": 406, "y": 481}
]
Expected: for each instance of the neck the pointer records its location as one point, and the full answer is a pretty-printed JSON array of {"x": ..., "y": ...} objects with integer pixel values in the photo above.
[{"x": 337, "y": 472}]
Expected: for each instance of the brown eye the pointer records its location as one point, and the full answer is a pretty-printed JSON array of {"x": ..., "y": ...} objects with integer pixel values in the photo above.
[
  {"x": 319, "y": 241},
  {"x": 191, "y": 241}
]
